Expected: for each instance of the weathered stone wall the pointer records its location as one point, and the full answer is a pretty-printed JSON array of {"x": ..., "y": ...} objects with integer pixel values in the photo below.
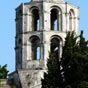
[
  {"x": 3, "y": 83},
  {"x": 31, "y": 78}
]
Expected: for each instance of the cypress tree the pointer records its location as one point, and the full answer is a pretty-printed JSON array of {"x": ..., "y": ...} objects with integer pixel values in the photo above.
[
  {"x": 75, "y": 60},
  {"x": 74, "y": 63},
  {"x": 53, "y": 77}
]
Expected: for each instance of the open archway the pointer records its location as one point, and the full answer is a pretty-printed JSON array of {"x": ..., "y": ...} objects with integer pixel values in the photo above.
[
  {"x": 35, "y": 47},
  {"x": 56, "y": 18},
  {"x": 55, "y": 45},
  {"x": 35, "y": 20}
]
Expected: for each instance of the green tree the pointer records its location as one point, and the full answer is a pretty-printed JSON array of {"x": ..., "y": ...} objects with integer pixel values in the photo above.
[
  {"x": 75, "y": 60},
  {"x": 67, "y": 61},
  {"x": 3, "y": 71},
  {"x": 74, "y": 63},
  {"x": 53, "y": 77}
]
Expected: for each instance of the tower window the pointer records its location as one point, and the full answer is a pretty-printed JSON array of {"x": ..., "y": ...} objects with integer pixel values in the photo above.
[
  {"x": 55, "y": 46},
  {"x": 35, "y": 20},
  {"x": 54, "y": 19},
  {"x": 35, "y": 48}
]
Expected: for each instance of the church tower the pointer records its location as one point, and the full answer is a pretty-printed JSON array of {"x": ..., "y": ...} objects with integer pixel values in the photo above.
[{"x": 41, "y": 27}]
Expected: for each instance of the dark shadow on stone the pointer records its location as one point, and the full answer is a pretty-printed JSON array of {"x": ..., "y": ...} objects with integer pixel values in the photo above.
[{"x": 14, "y": 80}]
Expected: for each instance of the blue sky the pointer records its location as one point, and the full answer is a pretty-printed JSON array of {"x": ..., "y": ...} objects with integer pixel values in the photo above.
[{"x": 7, "y": 28}]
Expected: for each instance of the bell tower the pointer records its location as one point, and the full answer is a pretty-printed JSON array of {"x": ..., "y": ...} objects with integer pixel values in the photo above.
[{"x": 41, "y": 27}]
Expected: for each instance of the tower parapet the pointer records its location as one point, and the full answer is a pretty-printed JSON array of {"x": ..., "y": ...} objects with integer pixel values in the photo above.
[{"x": 49, "y": 0}]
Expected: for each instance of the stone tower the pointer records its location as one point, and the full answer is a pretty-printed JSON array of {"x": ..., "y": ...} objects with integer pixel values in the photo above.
[{"x": 41, "y": 27}]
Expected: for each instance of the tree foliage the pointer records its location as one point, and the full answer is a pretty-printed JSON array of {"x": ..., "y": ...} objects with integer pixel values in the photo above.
[
  {"x": 75, "y": 60},
  {"x": 53, "y": 78},
  {"x": 74, "y": 64},
  {"x": 3, "y": 71}
]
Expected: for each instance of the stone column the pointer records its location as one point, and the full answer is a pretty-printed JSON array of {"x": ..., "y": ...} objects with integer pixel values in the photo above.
[
  {"x": 60, "y": 21},
  {"x": 47, "y": 21},
  {"x": 67, "y": 22},
  {"x": 63, "y": 28},
  {"x": 41, "y": 55},
  {"x": 29, "y": 51},
  {"x": 24, "y": 23},
  {"x": 41, "y": 20},
  {"x": 46, "y": 52},
  {"x": 76, "y": 24},
  {"x": 24, "y": 56},
  {"x": 73, "y": 22},
  {"x": 30, "y": 28}
]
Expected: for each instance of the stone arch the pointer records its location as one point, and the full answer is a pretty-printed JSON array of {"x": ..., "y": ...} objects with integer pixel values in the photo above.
[
  {"x": 35, "y": 18},
  {"x": 34, "y": 36},
  {"x": 33, "y": 7},
  {"x": 56, "y": 18},
  {"x": 35, "y": 47},
  {"x": 56, "y": 7},
  {"x": 56, "y": 45},
  {"x": 71, "y": 19}
]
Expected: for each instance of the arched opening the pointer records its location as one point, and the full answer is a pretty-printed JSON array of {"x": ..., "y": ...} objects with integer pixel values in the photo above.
[
  {"x": 71, "y": 20},
  {"x": 35, "y": 48},
  {"x": 35, "y": 20},
  {"x": 54, "y": 20},
  {"x": 55, "y": 44}
]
